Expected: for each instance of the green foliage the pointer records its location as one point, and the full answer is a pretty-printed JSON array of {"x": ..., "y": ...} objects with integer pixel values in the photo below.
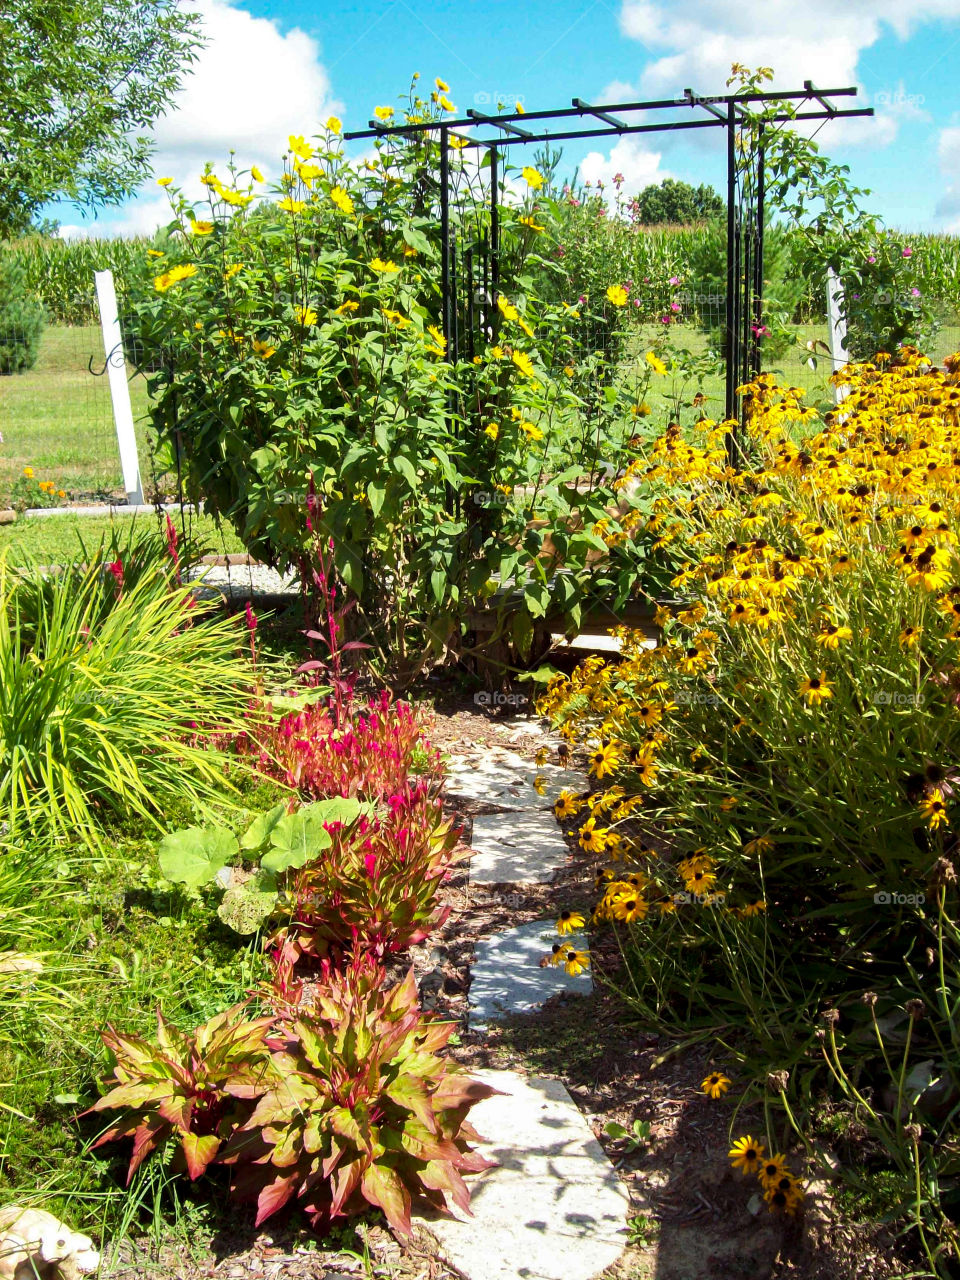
[
  {"x": 82, "y": 84},
  {"x": 110, "y": 708},
  {"x": 22, "y": 317},
  {"x": 678, "y": 203},
  {"x": 304, "y": 373}
]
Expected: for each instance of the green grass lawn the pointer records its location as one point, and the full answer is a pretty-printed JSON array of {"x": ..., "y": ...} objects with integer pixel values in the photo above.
[
  {"x": 57, "y": 539},
  {"x": 57, "y": 418}
]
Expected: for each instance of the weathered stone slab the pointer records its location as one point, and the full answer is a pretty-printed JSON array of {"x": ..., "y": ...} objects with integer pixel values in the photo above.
[
  {"x": 506, "y": 976},
  {"x": 505, "y": 779},
  {"x": 553, "y": 1208},
  {"x": 522, "y": 846}
]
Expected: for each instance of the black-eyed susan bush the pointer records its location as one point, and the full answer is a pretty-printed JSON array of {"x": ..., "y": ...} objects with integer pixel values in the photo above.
[
  {"x": 794, "y": 744},
  {"x": 295, "y": 333}
]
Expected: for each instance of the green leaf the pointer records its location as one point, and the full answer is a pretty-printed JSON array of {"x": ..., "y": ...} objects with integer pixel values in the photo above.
[
  {"x": 299, "y": 837},
  {"x": 194, "y": 855},
  {"x": 259, "y": 830},
  {"x": 245, "y": 908},
  {"x": 376, "y": 492},
  {"x": 404, "y": 467}
]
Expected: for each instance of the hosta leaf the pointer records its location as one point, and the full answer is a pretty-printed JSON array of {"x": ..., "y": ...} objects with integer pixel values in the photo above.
[
  {"x": 199, "y": 1152},
  {"x": 194, "y": 855}
]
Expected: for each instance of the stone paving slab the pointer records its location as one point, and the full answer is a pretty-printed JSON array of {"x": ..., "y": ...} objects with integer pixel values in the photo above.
[
  {"x": 553, "y": 1207},
  {"x": 505, "y": 779},
  {"x": 522, "y": 846},
  {"x": 506, "y": 976}
]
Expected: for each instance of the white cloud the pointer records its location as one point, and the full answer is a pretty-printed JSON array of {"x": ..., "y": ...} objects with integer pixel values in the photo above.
[
  {"x": 694, "y": 42},
  {"x": 639, "y": 166},
  {"x": 948, "y": 153},
  {"x": 251, "y": 86}
]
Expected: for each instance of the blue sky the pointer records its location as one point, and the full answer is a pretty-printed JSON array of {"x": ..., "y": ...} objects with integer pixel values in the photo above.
[{"x": 273, "y": 67}]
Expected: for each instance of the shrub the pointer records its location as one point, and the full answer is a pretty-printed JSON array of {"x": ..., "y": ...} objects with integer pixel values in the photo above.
[
  {"x": 111, "y": 708},
  {"x": 317, "y": 406},
  {"x": 21, "y": 318}
]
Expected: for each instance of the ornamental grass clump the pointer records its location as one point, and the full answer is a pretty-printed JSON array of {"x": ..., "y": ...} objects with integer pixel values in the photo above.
[{"x": 111, "y": 700}]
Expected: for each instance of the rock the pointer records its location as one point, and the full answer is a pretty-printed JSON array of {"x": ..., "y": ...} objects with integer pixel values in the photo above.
[
  {"x": 507, "y": 976},
  {"x": 7, "y": 515},
  {"x": 503, "y": 778},
  {"x": 518, "y": 847},
  {"x": 552, "y": 1208}
]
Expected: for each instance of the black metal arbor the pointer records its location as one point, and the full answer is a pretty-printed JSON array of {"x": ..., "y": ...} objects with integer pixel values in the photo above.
[{"x": 471, "y": 274}]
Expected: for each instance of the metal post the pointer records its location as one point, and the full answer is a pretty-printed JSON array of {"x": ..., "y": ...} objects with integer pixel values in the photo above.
[
  {"x": 494, "y": 243},
  {"x": 731, "y": 307},
  {"x": 447, "y": 310},
  {"x": 756, "y": 362}
]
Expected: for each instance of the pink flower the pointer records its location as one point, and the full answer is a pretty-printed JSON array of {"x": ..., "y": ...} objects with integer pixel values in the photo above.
[
  {"x": 871, "y": 258},
  {"x": 906, "y": 252},
  {"x": 674, "y": 280}
]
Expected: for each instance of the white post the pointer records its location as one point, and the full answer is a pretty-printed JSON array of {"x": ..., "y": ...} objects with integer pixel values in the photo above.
[
  {"x": 119, "y": 390},
  {"x": 837, "y": 326}
]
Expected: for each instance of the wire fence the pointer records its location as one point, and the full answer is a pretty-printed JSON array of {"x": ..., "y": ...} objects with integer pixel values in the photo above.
[{"x": 57, "y": 422}]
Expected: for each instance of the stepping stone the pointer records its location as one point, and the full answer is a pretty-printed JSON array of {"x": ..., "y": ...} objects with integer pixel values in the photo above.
[
  {"x": 505, "y": 779},
  {"x": 522, "y": 846},
  {"x": 506, "y": 976},
  {"x": 552, "y": 1208}
]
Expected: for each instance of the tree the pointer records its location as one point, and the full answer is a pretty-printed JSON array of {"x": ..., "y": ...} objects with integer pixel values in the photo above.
[
  {"x": 672, "y": 201},
  {"x": 81, "y": 83}
]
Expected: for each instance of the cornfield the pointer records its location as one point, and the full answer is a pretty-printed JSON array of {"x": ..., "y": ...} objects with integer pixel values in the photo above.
[{"x": 60, "y": 272}]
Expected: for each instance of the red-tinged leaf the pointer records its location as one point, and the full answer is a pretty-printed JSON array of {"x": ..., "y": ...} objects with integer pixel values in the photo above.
[
  {"x": 354, "y": 644},
  {"x": 274, "y": 1196},
  {"x": 199, "y": 1152},
  {"x": 132, "y": 1095},
  {"x": 355, "y": 1129},
  {"x": 456, "y": 1090},
  {"x": 172, "y": 1041},
  {"x": 178, "y": 1111},
  {"x": 412, "y": 1095},
  {"x": 147, "y": 1138},
  {"x": 474, "y": 1162},
  {"x": 441, "y": 1176},
  {"x": 310, "y": 666},
  {"x": 382, "y": 1186},
  {"x": 345, "y": 1181}
]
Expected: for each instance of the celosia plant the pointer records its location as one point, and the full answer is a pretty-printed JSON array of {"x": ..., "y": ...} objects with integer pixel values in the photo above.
[
  {"x": 343, "y": 1104},
  {"x": 374, "y": 755},
  {"x": 362, "y": 1109}
]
